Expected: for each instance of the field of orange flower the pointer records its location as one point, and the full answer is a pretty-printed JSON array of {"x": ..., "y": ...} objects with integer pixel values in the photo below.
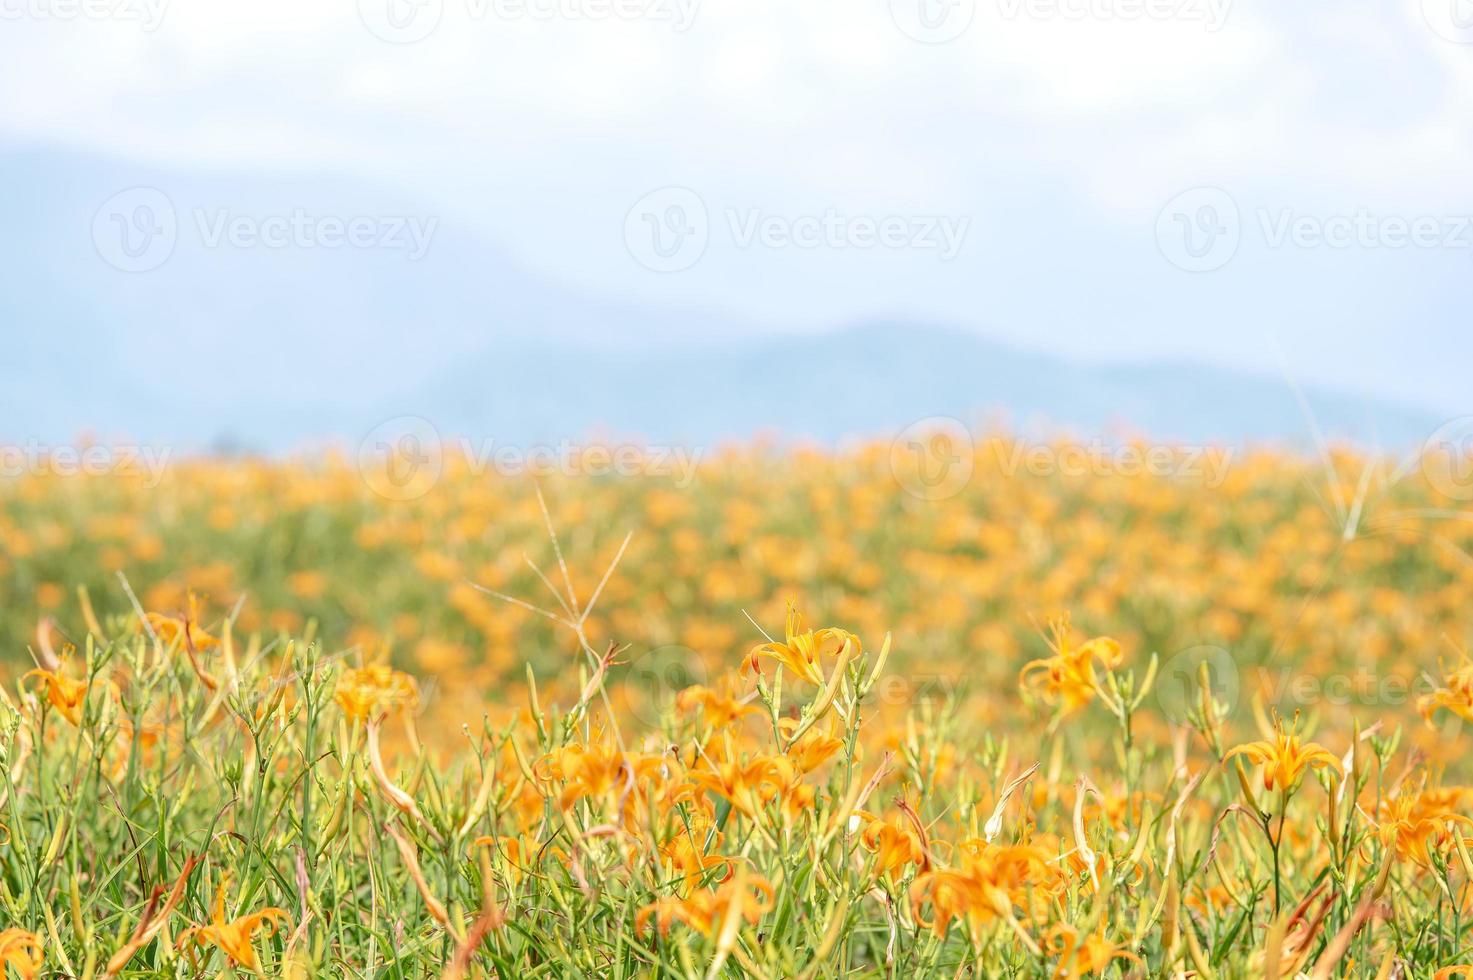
[{"x": 803, "y": 714}]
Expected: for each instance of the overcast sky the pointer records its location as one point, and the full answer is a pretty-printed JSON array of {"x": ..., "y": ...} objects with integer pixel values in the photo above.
[{"x": 1236, "y": 183}]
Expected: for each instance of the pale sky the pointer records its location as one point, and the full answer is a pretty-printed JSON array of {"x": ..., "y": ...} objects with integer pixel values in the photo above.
[{"x": 1052, "y": 133}]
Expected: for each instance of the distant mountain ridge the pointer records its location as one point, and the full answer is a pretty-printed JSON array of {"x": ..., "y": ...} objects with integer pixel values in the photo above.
[
  {"x": 272, "y": 351},
  {"x": 876, "y": 379}
]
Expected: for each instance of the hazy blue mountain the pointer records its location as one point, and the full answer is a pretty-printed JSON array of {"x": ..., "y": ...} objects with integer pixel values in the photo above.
[
  {"x": 280, "y": 348},
  {"x": 874, "y": 379},
  {"x": 279, "y": 343}
]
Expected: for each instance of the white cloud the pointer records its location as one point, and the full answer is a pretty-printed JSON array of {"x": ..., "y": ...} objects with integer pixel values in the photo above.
[{"x": 1123, "y": 106}]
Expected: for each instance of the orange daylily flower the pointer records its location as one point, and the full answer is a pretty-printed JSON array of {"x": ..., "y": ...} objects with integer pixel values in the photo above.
[
  {"x": 186, "y": 625},
  {"x": 233, "y": 937},
  {"x": 720, "y": 709},
  {"x": 1285, "y": 758},
  {"x": 747, "y": 786},
  {"x": 63, "y": 693},
  {"x": 688, "y": 849},
  {"x": 802, "y": 651},
  {"x": 749, "y": 897},
  {"x": 1455, "y": 694},
  {"x": 991, "y": 882},
  {"x": 1079, "y": 957},
  {"x": 813, "y": 749},
  {"x": 895, "y": 842},
  {"x": 1413, "y": 824},
  {"x": 597, "y": 771},
  {"x": 363, "y": 692},
  {"x": 23, "y": 951},
  {"x": 1067, "y": 678}
]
